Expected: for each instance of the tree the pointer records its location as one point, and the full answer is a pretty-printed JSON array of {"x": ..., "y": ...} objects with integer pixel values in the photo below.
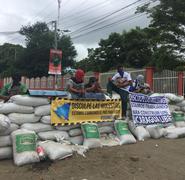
[
  {"x": 167, "y": 30},
  {"x": 69, "y": 52},
  {"x": 9, "y": 55},
  {"x": 39, "y": 41},
  {"x": 137, "y": 47}
]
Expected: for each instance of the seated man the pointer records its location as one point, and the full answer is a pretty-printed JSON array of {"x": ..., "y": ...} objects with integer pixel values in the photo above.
[
  {"x": 93, "y": 89},
  {"x": 120, "y": 83},
  {"x": 13, "y": 88},
  {"x": 75, "y": 85},
  {"x": 139, "y": 86}
]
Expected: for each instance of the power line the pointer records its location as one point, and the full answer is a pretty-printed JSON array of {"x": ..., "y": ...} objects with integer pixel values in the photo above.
[
  {"x": 102, "y": 18},
  {"x": 98, "y": 23},
  {"x": 134, "y": 16}
]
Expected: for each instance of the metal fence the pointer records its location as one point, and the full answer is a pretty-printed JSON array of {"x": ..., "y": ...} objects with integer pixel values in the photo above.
[{"x": 163, "y": 82}]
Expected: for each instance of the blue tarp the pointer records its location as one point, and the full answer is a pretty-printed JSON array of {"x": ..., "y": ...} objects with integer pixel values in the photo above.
[{"x": 48, "y": 93}]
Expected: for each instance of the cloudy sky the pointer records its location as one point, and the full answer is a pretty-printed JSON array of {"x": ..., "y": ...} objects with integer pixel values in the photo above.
[{"x": 88, "y": 20}]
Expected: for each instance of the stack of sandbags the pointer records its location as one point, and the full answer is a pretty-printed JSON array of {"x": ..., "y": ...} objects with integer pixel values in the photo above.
[
  {"x": 5, "y": 140},
  {"x": 19, "y": 112}
]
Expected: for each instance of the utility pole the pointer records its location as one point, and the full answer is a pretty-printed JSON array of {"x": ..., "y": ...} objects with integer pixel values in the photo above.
[
  {"x": 55, "y": 30},
  {"x": 59, "y": 2}
]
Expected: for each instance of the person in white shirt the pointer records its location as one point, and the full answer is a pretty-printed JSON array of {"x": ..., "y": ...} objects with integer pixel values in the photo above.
[{"x": 120, "y": 83}]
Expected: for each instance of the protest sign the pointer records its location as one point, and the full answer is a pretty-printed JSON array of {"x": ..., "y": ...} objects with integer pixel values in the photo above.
[
  {"x": 67, "y": 111},
  {"x": 149, "y": 110}
]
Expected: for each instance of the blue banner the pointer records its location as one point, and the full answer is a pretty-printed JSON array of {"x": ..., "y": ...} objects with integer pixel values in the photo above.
[{"x": 149, "y": 110}]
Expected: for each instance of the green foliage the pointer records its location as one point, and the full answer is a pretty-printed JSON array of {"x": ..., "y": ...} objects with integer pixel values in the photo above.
[
  {"x": 9, "y": 55},
  {"x": 39, "y": 40},
  {"x": 132, "y": 49},
  {"x": 167, "y": 32}
]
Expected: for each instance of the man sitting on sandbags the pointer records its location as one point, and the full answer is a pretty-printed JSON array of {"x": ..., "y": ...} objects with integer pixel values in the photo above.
[{"x": 13, "y": 88}]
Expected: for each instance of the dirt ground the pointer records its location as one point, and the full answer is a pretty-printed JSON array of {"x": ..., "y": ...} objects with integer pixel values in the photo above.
[{"x": 152, "y": 159}]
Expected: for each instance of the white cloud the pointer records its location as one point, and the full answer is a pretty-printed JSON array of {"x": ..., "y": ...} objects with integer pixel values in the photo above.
[{"x": 73, "y": 15}]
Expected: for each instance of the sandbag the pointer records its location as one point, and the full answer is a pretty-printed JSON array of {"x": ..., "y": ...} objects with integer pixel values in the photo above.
[
  {"x": 75, "y": 132},
  {"x": 24, "y": 147},
  {"x": 19, "y": 118},
  {"x": 106, "y": 129},
  {"x": 7, "y": 108},
  {"x": 109, "y": 123},
  {"x": 173, "y": 133},
  {"x": 67, "y": 127},
  {"x": 37, "y": 127},
  {"x": 77, "y": 140},
  {"x": 43, "y": 110},
  {"x": 139, "y": 131},
  {"x": 8, "y": 131},
  {"x": 155, "y": 131},
  {"x": 182, "y": 109},
  {"x": 178, "y": 119},
  {"x": 181, "y": 104},
  {"x": 56, "y": 150},
  {"x": 6, "y": 153},
  {"x": 91, "y": 135},
  {"x": 46, "y": 119},
  {"x": 26, "y": 100},
  {"x": 123, "y": 132},
  {"x": 173, "y": 108},
  {"x": 5, "y": 141},
  {"x": 51, "y": 135},
  {"x": 109, "y": 140},
  {"x": 4, "y": 123},
  {"x": 174, "y": 98}
]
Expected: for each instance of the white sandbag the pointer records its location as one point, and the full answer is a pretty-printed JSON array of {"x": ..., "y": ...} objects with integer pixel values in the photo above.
[
  {"x": 46, "y": 119},
  {"x": 155, "y": 131},
  {"x": 24, "y": 147},
  {"x": 181, "y": 104},
  {"x": 77, "y": 140},
  {"x": 43, "y": 110},
  {"x": 8, "y": 131},
  {"x": 173, "y": 133},
  {"x": 5, "y": 141},
  {"x": 51, "y": 135},
  {"x": 109, "y": 123},
  {"x": 67, "y": 127},
  {"x": 7, "y": 108},
  {"x": 173, "y": 97},
  {"x": 6, "y": 153},
  {"x": 26, "y": 100},
  {"x": 109, "y": 140},
  {"x": 37, "y": 127},
  {"x": 56, "y": 150},
  {"x": 106, "y": 129},
  {"x": 75, "y": 132},
  {"x": 4, "y": 123},
  {"x": 19, "y": 118},
  {"x": 123, "y": 132},
  {"x": 174, "y": 108},
  {"x": 139, "y": 131},
  {"x": 115, "y": 96},
  {"x": 156, "y": 94},
  {"x": 183, "y": 109},
  {"x": 91, "y": 135},
  {"x": 106, "y": 97}
]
